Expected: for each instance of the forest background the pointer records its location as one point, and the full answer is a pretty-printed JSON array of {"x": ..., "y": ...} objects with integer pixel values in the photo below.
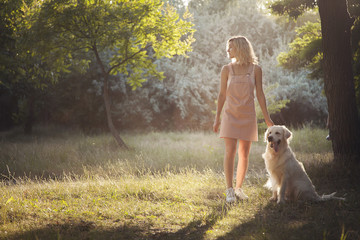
[
  {"x": 70, "y": 180},
  {"x": 289, "y": 53}
]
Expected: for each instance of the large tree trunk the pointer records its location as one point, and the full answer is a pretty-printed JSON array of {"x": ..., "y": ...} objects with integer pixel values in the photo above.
[{"x": 339, "y": 81}]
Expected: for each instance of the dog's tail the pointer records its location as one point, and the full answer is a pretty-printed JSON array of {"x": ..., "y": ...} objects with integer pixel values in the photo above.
[{"x": 331, "y": 196}]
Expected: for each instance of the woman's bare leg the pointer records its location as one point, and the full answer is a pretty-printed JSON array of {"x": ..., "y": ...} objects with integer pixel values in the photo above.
[
  {"x": 243, "y": 162},
  {"x": 229, "y": 159}
]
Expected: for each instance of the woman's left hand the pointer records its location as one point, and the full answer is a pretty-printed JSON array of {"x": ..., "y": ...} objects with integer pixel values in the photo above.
[
  {"x": 216, "y": 126},
  {"x": 269, "y": 122}
]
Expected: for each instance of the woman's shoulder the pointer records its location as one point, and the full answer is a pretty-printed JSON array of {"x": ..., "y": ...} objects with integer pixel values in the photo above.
[
  {"x": 257, "y": 68},
  {"x": 226, "y": 68}
]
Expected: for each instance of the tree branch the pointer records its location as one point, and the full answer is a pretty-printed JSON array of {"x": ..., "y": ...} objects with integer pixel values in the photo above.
[
  {"x": 94, "y": 48},
  {"x": 127, "y": 58}
]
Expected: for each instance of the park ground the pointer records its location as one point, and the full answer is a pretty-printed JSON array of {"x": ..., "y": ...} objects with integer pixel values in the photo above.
[{"x": 62, "y": 184}]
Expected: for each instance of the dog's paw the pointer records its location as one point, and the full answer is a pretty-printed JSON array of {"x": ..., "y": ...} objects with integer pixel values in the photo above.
[
  {"x": 280, "y": 201},
  {"x": 273, "y": 199}
]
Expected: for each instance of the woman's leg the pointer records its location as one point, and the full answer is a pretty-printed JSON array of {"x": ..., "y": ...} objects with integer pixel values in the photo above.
[
  {"x": 229, "y": 159},
  {"x": 243, "y": 162}
]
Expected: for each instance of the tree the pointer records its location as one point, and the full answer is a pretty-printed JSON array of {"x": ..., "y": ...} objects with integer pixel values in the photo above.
[
  {"x": 305, "y": 50},
  {"x": 25, "y": 74},
  {"x": 336, "y": 26},
  {"x": 124, "y": 36}
]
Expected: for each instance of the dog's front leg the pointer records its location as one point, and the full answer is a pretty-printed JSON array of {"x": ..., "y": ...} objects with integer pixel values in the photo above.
[
  {"x": 281, "y": 196},
  {"x": 274, "y": 196}
]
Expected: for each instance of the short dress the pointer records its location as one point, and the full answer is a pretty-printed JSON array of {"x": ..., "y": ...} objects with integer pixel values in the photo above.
[{"x": 239, "y": 117}]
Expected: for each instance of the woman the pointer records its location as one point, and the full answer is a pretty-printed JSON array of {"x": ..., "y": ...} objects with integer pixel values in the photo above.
[{"x": 238, "y": 124}]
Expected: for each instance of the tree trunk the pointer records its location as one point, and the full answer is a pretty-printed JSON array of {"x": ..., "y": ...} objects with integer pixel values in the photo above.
[
  {"x": 107, "y": 100},
  {"x": 339, "y": 81},
  {"x": 108, "y": 114}
]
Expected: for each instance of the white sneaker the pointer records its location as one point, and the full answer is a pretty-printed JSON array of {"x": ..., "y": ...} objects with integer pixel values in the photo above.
[
  {"x": 230, "y": 195},
  {"x": 240, "y": 194}
]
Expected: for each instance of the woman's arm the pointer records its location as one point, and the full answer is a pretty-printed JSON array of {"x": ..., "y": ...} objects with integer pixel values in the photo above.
[
  {"x": 261, "y": 96},
  {"x": 221, "y": 97}
]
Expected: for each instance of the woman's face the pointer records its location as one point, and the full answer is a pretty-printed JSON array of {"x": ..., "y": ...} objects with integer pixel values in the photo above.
[{"x": 231, "y": 50}]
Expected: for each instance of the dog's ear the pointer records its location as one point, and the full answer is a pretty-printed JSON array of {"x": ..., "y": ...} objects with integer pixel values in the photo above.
[
  {"x": 287, "y": 133},
  {"x": 266, "y": 134}
]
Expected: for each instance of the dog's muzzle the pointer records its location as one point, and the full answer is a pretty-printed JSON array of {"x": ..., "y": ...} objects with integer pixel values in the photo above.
[{"x": 274, "y": 144}]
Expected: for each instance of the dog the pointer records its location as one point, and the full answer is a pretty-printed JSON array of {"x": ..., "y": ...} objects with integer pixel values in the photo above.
[{"x": 288, "y": 179}]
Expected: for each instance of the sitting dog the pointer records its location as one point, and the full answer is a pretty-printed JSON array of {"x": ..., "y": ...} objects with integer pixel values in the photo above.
[{"x": 287, "y": 176}]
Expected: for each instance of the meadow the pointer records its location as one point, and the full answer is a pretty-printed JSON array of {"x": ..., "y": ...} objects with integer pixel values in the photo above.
[{"x": 63, "y": 184}]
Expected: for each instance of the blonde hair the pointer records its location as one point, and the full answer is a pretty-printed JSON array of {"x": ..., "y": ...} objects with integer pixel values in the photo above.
[{"x": 244, "y": 52}]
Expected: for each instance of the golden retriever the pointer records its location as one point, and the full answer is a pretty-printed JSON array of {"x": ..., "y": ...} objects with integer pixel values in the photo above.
[{"x": 287, "y": 176}]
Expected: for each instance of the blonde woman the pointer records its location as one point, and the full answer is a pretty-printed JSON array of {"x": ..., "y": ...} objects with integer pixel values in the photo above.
[{"x": 238, "y": 124}]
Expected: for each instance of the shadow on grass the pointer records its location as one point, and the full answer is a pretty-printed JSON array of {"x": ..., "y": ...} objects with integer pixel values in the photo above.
[
  {"x": 79, "y": 231},
  {"x": 332, "y": 219},
  {"x": 196, "y": 229},
  {"x": 327, "y": 220}
]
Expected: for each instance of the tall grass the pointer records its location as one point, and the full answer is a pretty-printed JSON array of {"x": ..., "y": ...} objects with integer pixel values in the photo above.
[
  {"x": 55, "y": 152},
  {"x": 66, "y": 152},
  {"x": 62, "y": 184}
]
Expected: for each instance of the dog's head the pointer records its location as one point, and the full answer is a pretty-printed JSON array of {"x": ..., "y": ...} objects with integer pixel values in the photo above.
[{"x": 277, "y": 136}]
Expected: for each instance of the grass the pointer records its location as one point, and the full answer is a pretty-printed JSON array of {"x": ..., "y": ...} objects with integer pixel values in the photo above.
[{"x": 61, "y": 184}]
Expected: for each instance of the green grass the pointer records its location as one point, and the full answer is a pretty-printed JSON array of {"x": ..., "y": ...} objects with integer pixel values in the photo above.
[{"x": 61, "y": 184}]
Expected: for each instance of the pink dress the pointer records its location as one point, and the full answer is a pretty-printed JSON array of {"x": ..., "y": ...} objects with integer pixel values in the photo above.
[{"x": 239, "y": 117}]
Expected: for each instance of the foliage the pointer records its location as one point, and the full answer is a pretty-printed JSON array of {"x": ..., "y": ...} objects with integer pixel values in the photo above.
[
  {"x": 131, "y": 33},
  {"x": 25, "y": 73},
  {"x": 77, "y": 103},
  {"x": 125, "y": 37},
  {"x": 305, "y": 50},
  {"x": 21, "y": 59},
  {"x": 307, "y": 101},
  {"x": 185, "y": 97},
  {"x": 292, "y": 8},
  {"x": 274, "y": 105}
]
